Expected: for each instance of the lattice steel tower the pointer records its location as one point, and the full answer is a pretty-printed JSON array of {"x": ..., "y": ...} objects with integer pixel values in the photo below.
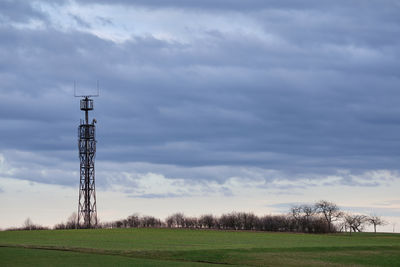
[{"x": 87, "y": 212}]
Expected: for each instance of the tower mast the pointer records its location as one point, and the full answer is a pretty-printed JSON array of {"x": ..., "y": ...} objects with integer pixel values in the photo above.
[{"x": 87, "y": 211}]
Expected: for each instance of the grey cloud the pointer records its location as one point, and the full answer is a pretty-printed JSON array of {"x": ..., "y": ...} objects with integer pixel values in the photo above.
[
  {"x": 19, "y": 11},
  {"x": 189, "y": 115},
  {"x": 351, "y": 182},
  {"x": 285, "y": 193},
  {"x": 104, "y": 20},
  {"x": 226, "y": 192},
  {"x": 249, "y": 5},
  {"x": 315, "y": 100},
  {"x": 167, "y": 195},
  {"x": 39, "y": 167},
  {"x": 81, "y": 22},
  {"x": 388, "y": 203}
]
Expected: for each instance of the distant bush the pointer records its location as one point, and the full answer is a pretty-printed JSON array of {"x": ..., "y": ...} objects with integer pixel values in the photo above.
[
  {"x": 134, "y": 221},
  {"x": 70, "y": 224},
  {"x": 28, "y": 225}
]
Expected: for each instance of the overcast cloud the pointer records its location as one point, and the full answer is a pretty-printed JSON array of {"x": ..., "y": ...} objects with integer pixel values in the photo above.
[{"x": 203, "y": 97}]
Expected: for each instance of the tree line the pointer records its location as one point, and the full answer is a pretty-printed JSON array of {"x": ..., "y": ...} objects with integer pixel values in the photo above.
[{"x": 321, "y": 217}]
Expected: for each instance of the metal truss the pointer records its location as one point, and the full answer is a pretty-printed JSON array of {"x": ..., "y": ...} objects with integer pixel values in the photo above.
[{"x": 87, "y": 211}]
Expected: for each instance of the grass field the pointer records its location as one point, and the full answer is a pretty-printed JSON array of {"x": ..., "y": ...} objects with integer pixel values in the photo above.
[{"x": 181, "y": 247}]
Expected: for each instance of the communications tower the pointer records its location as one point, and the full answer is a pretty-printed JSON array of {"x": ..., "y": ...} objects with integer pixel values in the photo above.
[{"x": 87, "y": 211}]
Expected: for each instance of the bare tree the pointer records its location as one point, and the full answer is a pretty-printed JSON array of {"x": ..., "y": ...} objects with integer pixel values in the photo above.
[
  {"x": 179, "y": 219},
  {"x": 228, "y": 221},
  {"x": 170, "y": 221},
  {"x": 72, "y": 221},
  {"x": 295, "y": 211},
  {"x": 355, "y": 222},
  {"x": 28, "y": 224},
  {"x": 348, "y": 220},
  {"x": 176, "y": 220},
  {"x": 376, "y": 220},
  {"x": 149, "y": 221},
  {"x": 133, "y": 220},
  {"x": 303, "y": 215},
  {"x": 308, "y": 211},
  {"x": 191, "y": 222},
  {"x": 359, "y": 222},
  {"x": 207, "y": 221},
  {"x": 330, "y": 211}
]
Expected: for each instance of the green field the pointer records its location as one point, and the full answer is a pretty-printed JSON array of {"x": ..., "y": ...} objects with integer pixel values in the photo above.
[{"x": 181, "y": 247}]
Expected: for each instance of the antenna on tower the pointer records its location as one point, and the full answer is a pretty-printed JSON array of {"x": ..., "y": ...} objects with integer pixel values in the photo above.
[{"x": 86, "y": 95}]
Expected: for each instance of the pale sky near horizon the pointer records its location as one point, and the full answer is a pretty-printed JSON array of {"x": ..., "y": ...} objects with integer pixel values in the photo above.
[{"x": 205, "y": 106}]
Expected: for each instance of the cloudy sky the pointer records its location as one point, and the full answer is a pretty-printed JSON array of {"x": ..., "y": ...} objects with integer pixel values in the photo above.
[{"x": 205, "y": 106}]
